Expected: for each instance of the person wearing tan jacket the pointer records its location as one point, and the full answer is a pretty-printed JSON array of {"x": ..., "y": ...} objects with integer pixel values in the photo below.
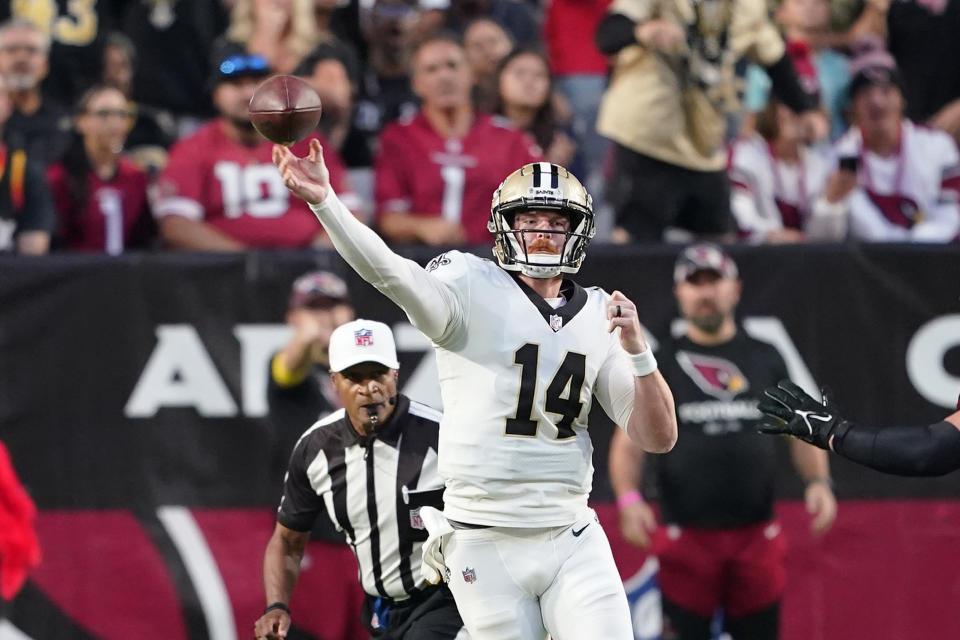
[{"x": 674, "y": 82}]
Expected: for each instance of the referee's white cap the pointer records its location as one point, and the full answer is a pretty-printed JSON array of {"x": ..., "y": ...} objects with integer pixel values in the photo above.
[{"x": 362, "y": 341}]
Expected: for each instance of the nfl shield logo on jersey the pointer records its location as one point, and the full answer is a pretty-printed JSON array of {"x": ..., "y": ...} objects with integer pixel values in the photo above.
[
  {"x": 556, "y": 323},
  {"x": 469, "y": 575},
  {"x": 363, "y": 337}
]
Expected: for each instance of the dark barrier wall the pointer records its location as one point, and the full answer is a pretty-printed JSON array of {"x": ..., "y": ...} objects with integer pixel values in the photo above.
[{"x": 132, "y": 402}]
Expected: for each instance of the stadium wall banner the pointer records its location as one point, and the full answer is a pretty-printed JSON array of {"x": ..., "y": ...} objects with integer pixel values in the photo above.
[{"x": 132, "y": 400}]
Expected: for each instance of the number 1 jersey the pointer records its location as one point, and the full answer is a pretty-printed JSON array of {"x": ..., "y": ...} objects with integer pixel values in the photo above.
[{"x": 518, "y": 379}]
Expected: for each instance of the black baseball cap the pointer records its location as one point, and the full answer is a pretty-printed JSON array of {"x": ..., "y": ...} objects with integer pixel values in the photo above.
[
  {"x": 231, "y": 62},
  {"x": 704, "y": 256}
]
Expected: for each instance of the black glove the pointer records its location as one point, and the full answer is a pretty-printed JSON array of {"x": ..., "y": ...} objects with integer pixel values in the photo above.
[{"x": 789, "y": 410}]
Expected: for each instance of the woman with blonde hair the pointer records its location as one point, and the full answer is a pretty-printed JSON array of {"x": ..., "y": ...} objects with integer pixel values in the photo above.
[{"x": 282, "y": 31}]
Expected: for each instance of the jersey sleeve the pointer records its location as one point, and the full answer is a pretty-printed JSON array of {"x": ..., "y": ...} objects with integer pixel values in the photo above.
[
  {"x": 452, "y": 268},
  {"x": 391, "y": 192},
  {"x": 430, "y": 304},
  {"x": 179, "y": 189},
  {"x": 614, "y": 387},
  {"x": 301, "y": 503}
]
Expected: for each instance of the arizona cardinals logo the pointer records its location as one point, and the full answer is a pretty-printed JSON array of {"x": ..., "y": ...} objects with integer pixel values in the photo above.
[
  {"x": 897, "y": 209},
  {"x": 715, "y": 376}
]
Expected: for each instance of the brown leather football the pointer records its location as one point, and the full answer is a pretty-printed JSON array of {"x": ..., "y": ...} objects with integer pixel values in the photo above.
[{"x": 284, "y": 109}]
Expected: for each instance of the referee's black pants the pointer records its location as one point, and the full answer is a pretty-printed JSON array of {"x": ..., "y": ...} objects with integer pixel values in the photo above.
[{"x": 430, "y": 614}]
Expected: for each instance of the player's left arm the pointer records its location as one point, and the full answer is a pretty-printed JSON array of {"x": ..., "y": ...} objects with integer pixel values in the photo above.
[{"x": 630, "y": 388}]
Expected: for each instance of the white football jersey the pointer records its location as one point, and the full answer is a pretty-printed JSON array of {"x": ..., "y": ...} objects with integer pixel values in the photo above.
[
  {"x": 768, "y": 194},
  {"x": 517, "y": 380},
  {"x": 908, "y": 196}
]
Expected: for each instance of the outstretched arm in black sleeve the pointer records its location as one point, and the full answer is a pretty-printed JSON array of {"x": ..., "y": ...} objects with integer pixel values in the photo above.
[{"x": 930, "y": 450}]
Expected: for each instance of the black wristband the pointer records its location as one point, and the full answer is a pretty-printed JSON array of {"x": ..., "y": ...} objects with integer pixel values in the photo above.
[{"x": 277, "y": 605}]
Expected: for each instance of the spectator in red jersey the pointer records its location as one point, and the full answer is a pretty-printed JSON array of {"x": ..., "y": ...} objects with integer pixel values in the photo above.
[
  {"x": 486, "y": 44},
  {"x": 101, "y": 197},
  {"x": 435, "y": 171},
  {"x": 525, "y": 97},
  {"x": 220, "y": 191}
]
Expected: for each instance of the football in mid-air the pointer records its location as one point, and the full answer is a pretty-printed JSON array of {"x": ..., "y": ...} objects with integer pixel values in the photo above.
[{"x": 284, "y": 109}]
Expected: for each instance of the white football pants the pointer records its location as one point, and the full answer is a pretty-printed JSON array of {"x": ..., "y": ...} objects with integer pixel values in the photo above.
[{"x": 522, "y": 584}]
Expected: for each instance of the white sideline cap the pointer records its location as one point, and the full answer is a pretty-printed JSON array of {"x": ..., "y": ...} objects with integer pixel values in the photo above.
[{"x": 362, "y": 341}]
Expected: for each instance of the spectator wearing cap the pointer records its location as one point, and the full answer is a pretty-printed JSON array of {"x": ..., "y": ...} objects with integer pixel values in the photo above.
[
  {"x": 36, "y": 125},
  {"x": 891, "y": 180},
  {"x": 370, "y": 467},
  {"x": 719, "y": 545},
  {"x": 220, "y": 190},
  {"x": 299, "y": 390},
  {"x": 922, "y": 37}
]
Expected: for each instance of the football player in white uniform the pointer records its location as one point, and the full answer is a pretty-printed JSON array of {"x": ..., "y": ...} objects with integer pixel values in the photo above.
[{"x": 521, "y": 353}]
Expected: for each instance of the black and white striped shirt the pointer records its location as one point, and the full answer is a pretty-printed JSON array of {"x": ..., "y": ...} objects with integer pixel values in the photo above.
[{"x": 372, "y": 488}]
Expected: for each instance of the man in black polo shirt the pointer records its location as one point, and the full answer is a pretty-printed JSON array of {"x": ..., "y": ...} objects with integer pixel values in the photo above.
[
  {"x": 381, "y": 451},
  {"x": 720, "y": 546}
]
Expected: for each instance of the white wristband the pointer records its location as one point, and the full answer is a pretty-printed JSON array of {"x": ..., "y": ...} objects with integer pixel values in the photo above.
[{"x": 643, "y": 363}]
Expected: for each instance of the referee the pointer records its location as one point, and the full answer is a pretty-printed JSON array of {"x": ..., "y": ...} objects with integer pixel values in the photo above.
[{"x": 371, "y": 466}]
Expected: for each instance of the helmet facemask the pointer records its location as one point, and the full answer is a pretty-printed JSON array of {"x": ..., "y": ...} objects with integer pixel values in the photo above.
[{"x": 541, "y": 187}]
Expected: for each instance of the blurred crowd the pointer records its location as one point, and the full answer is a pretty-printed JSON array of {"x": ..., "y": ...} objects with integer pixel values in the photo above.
[{"x": 125, "y": 123}]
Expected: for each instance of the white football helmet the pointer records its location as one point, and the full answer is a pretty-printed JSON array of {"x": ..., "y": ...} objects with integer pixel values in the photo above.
[{"x": 541, "y": 186}]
